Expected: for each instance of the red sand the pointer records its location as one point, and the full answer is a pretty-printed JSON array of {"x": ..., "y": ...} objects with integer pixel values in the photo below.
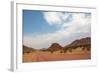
[{"x": 39, "y": 56}]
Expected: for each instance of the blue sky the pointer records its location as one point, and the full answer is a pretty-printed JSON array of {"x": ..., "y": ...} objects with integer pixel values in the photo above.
[
  {"x": 33, "y": 22},
  {"x": 42, "y": 28}
]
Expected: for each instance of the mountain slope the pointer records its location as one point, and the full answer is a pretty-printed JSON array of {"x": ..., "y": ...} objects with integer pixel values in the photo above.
[
  {"x": 27, "y": 49},
  {"x": 80, "y": 42}
]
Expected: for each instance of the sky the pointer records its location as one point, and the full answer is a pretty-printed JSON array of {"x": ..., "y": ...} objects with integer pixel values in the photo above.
[{"x": 42, "y": 28}]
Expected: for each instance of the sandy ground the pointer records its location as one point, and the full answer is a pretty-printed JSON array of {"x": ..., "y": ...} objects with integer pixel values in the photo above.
[{"x": 39, "y": 56}]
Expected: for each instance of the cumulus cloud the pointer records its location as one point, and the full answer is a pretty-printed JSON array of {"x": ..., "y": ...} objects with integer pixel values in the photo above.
[
  {"x": 52, "y": 18},
  {"x": 73, "y": 26},
  {"x": 55, "y": 18}
]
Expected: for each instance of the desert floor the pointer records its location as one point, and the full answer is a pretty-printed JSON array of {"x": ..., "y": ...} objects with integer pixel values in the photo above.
[{"x": 38, "y": 56}]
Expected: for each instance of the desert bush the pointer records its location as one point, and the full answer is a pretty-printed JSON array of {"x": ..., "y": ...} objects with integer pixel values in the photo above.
[
  {"x": 61, "y": 51},
  {"x": 70, "y": 50},
  {"x": 83, "y": 48},
  {"x": 51, "y": 51},
  {"x": 88, "y": 49},
  {"x": 65, "y": 50}
]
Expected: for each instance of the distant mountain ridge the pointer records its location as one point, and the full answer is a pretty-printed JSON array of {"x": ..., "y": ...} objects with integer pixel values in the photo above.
[
  {"x": 27, "y": 49},
  {"x": 80, "y": 42},
  {"x": 83, "y": 42}
]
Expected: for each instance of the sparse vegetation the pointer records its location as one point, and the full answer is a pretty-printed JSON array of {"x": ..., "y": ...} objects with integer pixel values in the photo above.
[
  {"x": 56, "y": 51},
  {"x": 52, "y": 51}
]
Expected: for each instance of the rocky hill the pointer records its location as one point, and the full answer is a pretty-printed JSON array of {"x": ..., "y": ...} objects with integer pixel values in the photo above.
[
  {"x": 55, "y": 47},
  {"x": 27, "y": 49},
  {"x": 84, "y": 43}
]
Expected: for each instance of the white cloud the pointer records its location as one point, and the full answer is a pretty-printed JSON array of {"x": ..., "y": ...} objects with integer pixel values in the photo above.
[
  {"x": 56, "y": 17},
  {"x": 52, "y": 17},
  {"x": 78, "y": 27}
]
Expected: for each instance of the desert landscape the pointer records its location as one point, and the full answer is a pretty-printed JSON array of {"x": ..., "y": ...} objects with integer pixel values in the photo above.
[{"x": 79, "y": 49}]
